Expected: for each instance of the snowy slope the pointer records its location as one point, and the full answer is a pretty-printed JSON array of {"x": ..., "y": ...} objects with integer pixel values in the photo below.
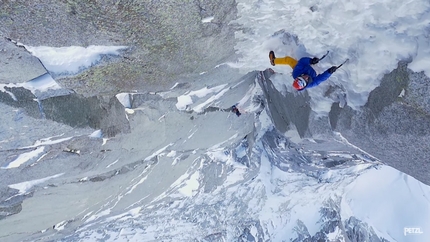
[{"x": 374, "y": 35}]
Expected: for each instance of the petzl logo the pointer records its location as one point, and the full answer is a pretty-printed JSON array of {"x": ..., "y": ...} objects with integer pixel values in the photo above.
[{"x": 410, "y": 230}]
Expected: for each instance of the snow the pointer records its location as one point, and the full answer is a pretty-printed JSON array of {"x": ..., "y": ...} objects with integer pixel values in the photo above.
[
  {"x": 124, "y": 99},
  {"x": 171, "y": 154},
  {"x": 40, "y": 84},
  {"x": 374, "y": 35},
  {"x": 345, "y": 141},
  {"x": 25, "y": 157},
  {"x": 71, "y": 59},
  {"x": 199, "y": 108},
  {"x": 136, "y": 184},
  {"x": 48, "y": 141},
  {"x": 158, "y": 152},
  {"x": 191, "y": 185},
  {"x": 389, "y": 200},
  {"x": 60, "y": 226},
  {"x": 24, "y": 187},
  {"x": 183, "y": 102},
  {"x": 208, "y": 19},
  {"x": 96, "y": 134},
  {"x": 113, "y": 163},
  {"x": 420, "y": 62},
  {"x": 129, "y": 111},
  {"x": 336, "y": 234},
  {"x": 187, "y": 99}
]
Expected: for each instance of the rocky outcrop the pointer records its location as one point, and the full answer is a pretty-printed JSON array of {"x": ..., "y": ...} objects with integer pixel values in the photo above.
[
  {"x": 98, "y": 112},
  {"x": 394, "y": 125},
  {"x": 14, "y": 59},
  {"x": 167, "y": 40},
  {"x": 105, "y": 113}
]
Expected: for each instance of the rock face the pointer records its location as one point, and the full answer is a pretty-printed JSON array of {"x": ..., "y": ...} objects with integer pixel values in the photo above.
[
  {"x": 97, "y": 112},
  {"x": 394, "y": 125},
  {"x": 14, "y": 59},
  {"x": 166, "y": 39},
  {"x": 105, "y": 113}
]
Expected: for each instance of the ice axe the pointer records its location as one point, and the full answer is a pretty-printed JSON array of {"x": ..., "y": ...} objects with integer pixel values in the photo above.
[
  {"x": 337, "y": 67},
  {"x": 322, "y": 57}
]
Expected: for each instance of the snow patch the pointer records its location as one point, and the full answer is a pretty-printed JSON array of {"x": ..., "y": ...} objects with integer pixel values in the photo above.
[{"x": 71, "y": 59}]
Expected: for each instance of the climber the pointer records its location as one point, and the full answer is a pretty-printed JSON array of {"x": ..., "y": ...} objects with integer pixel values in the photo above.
[{"x": 303, "y": 73}]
